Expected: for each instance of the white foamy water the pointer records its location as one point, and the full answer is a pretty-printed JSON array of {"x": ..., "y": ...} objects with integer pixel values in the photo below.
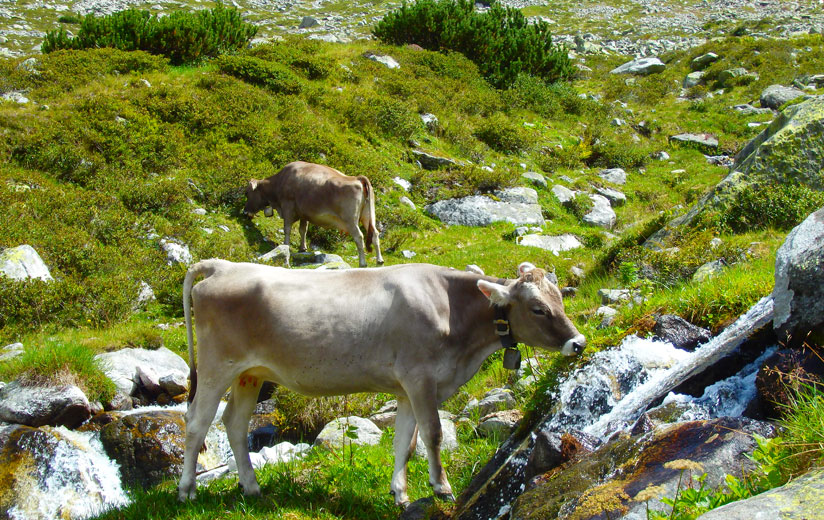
[
  {"x": 77, "y": 480},
  {"x": 630, "y": 407}
]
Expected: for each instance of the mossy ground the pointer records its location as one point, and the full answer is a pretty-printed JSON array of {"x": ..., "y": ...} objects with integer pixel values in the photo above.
[{"x": 120, "y": 148}]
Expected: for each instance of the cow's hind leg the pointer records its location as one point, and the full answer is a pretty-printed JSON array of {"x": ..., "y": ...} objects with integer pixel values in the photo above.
[
  {"x": 242, "y": 402},
  {"x": 199, "y": 417},
  {"x": 356, "y": 234},
  {"x": 304, "y": 225},
  {"x": 404, "y": 443},
  {"x": 425, "y": 406}
]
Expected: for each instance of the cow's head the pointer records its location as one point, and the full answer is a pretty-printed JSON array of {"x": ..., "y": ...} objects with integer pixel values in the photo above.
[
  {"x": 256, "y": 200},
  {"x": 535, "y": 311}
]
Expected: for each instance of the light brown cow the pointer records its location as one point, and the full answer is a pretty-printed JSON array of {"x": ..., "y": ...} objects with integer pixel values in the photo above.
[
  {"x": 417, "y": 331},
  {"x": 321, "y": 195}
]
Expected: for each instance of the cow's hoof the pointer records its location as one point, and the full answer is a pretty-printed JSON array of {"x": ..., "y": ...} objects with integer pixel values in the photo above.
[
  {"x": 253, "y": 490},
  {"x": 448, "y": 497}
]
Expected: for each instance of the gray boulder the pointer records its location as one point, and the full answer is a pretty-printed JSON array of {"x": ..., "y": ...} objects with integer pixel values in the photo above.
[
  {"x": 449, "y": 435},
  {"x": 614, "y": 175},
  {"x": 478, "y": 210},
  {"x": 607, "y": 315},
  {"x": 708, "y": 270},
  {"x": 535, "y": 178},
  {"x": 63, "y": 405},
  {"x": 352, "y": 429},
  {"x": 518, "y": 195},
  {"x": 799, "y": 280},
  {"x": 613, "y": 296},
  {"x": 495, "y": 400},
  {"x": 601, "y": 214},
  {"x": 775, "y": 96},
  {"x": 430, "y": 121},
  {"x": 556, "y": 244},
  {"x": 749, "y": 110},
  {"x": 563, "y": 194},
  {"x": 11, "y": 351},
  {"x": 432, "y": 162},
  {"x": 693, "y": 79},
  {"x": 388, "y": 61},
  {"x": 22, "y": 263},
  {"x": 706, "y": 142},
  {"x": 124, "y": 366},
  {"x": 306, "y": 22},
  {"x": 640, "y": 66},
  {"x": 702, "y": 61},
  {"x": 176, "y": 253},
  {"x": 500, "y": 424},
  {"x": 279, "y": 255},
  {"x": 802, "y": 498},
  {"x": 729, "y": 77},
  {"x": 615, "y": 197}
]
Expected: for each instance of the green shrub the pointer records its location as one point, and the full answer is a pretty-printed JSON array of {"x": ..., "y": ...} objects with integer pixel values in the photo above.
[
  {"x": 460, "y": 182},
  {"x": 183, "y": 37},
  {"x": 382, "y": 115},
  {"x": 579, "y": 205},
  {"x": 500, "y": 41},
  {"x": 555, "y": 100},
  {"x": 270, "y": 75},
  {"x": 778, "y": 206},
  {"x": 503, "y": 135},
  {"x": 70, "y": 18}
]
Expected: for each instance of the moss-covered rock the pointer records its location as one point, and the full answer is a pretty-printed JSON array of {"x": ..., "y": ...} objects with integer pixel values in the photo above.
[{"x": 603, "y": 484}]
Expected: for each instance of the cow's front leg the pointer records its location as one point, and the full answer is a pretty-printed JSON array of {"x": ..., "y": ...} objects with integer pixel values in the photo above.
[
  {"x": 425, "y": 406},
  {"x": 242, "y": 402},
  {"x": 287, "y": 231},
  {"x": 303, "y": 227},
  {"x": 404, "y": 444}
]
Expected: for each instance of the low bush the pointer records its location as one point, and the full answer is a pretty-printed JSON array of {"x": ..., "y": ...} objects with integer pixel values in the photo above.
[
  {"x": 271, "y": 75},
  {"x": 777, "y": 206},
  {"x": 504, "y": 135},
  {"x": 181, "y": 36},
  {"x": 460, "y": 182},
  {"x": 500, "y": 41}
]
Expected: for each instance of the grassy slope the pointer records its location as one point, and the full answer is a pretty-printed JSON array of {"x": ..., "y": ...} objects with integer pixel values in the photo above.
[{"x": 111, "y": 162}]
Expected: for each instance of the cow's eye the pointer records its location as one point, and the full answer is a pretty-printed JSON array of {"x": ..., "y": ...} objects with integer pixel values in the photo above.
[{"x": 538, "y": 311}]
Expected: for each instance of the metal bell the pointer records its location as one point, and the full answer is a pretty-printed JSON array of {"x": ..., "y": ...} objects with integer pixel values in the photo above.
[{"x": 512, "y": 359}]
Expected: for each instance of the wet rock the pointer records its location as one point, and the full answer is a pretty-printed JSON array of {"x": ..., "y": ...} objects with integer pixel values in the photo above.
[
  {"x": 553, "y": 449},
  {"x": 43, "y": 472},
  {"x": 352, "y": 429},
  {"x": 681, "y": 333},
  {"x": 801, "y": 498},
  {"x": 149, "y": 446},
  {"x": 799, "y": 282},
  {"x": 775, "y": 96},
  {"x": 23, "y": 263},
  {"x": 63, "y": 405},
  {"x": 604, "y": 482}
]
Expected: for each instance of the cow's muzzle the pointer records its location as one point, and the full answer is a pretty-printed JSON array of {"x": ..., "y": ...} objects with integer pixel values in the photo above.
[{"x": 574, "y": 346}]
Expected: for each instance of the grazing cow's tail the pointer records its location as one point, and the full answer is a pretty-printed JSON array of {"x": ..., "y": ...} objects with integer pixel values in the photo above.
[
  {"x": 207, "y": 268},
  {"x": 369, "y": 197}
]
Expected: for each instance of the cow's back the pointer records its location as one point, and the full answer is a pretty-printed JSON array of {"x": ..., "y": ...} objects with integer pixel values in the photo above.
[{"x": 322, "y": 332}]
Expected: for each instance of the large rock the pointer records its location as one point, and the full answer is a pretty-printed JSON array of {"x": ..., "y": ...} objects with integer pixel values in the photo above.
[
  {"x": 601, "y": 214},
  {"x": 640, "y": 66},
  {"x": 432, "y": 162},
  {"x": 681, "y": 333},
  {"x": 495, "y": 400},
  {"x": 49, "y": 473},
  {"x": 124, "y": 366},
  {"x": 803, "y": 498},
  {"x": 799, "y": 281},
  {"x": 563, "y": 194},
  {"x": 64, "y": 405},
  {"x": 149, "y": 446},
  {"x": 775, "y": 96},
  {"x": 556, "y": 244},
  {"x": 614, "y": 175},
  {"x": 790, "y": 150},
  {"x": 478, "y": 210},
  {"x": 605, "y": 481},
  {"x": 705, "y": 142},
  {"x": 353, "y": 429},
  {"x": 23, "y": 263}
]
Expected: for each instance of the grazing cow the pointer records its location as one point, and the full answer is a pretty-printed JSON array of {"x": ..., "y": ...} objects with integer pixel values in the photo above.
[
  {"x": 321, "y": 195},
  {"x": 417, "y": 331}
]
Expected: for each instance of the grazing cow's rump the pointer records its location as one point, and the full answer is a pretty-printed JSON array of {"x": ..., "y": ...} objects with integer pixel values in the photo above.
[
  {"x": 321, "y": 195},
  {"x": 417, "y": 331}
]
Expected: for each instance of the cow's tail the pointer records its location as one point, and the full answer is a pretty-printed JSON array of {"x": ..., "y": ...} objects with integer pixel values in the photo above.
[
  {"x": 206, "y": 268},
  {"x": 369, "y": 199}
]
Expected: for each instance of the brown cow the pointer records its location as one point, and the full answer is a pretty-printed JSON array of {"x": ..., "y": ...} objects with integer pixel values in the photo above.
[
  {"x": 321, "y": 195},
  {"x": 417, "y": 331}
]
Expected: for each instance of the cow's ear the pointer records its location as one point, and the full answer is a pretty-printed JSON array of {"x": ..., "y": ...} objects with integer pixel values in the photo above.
[
  {"x": 497, "y": 293},
  {"x": 253, "y": 184},
  {"x": 524, "y": 268},
  {"x": 472, "y": 268}
]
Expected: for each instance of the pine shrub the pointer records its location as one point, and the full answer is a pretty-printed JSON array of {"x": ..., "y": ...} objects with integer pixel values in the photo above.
[
  {"x": 500, "y": 41},
  {"x": 183, "y": 37},
  {"x": 270, "y": 75}
]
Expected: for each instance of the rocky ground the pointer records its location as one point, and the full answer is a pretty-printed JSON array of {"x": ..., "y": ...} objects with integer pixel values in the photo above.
[{"x": 631, "y": 27}]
